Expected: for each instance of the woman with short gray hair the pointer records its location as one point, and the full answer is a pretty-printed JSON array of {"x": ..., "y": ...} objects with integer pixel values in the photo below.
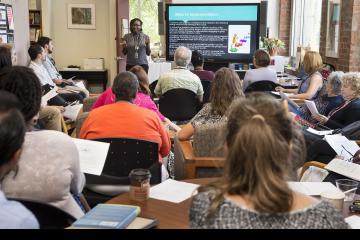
[{"x": 331, "y": 100}]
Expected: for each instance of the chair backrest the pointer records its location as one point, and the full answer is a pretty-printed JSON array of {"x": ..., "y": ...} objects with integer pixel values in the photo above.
[
  {"x": 125, "y": 155},
  {"x": 261, "y": 86},
  {"x": 209, "y": 140},
  {"x": 206, "y": 84},
  {"x": 179, "y": 104},
  {"x": 48, "y": 216},
  {"x": 152, "y": 87}
]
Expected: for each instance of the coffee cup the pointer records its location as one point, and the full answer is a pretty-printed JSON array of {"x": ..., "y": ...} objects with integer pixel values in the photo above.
[
  {"x": 139, "y": 184},
  {"x": 336, "y": 198}
]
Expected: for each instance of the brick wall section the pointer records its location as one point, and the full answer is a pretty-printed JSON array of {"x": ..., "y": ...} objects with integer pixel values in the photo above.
[
  {"x": 284, "y": 24},
  {"x": 349, "y": 48}
]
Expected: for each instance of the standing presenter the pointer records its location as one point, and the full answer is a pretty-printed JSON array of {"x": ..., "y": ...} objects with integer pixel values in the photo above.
[{"x": 136, "y": 45}]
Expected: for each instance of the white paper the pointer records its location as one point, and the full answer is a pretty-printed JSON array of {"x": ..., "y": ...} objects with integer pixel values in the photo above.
[
  {"x": 342, "y": 146},
  {"x": 312, "y": 107},
  {"x": 92, "y": 155},
  {"x": 320, "y": 133},
  {"x": 72, "y": 111},
  {"x": 353, "y": 221},
  {"x": 49, "y": 95},
  {"x": 80, "y": 84},
  {"x": 345, "y": 168},
  {"x": 173, "y": 191},
  {"x": 312, "y": 188}
]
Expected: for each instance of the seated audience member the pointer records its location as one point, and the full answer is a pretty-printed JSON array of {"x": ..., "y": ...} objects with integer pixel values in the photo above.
[
  {"x": 349, "y": 111},
  {"x": 124, "y": 119},
  {"x": 142, "y": 98},
  {"x": 197, "y": 61},
  {"x": 50, "y": 116},
  {"x": 226, "y": 87},
  {"x": 180, "y": 76},
  {"x": 37, "y": 55},
  {"x": 262, "y": 72},
  {"x": 331, "y": 100},
  {"x": 7, "y": 55},
  {"x": 49, "y": 65},
  {"x": 313, "y": 85},
  {"x": 254, "y": 193},
  {"x": 13, "y": 215},
  {"x": 49, "y": 168}
]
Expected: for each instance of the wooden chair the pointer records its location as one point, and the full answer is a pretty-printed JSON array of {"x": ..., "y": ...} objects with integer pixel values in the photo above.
[{"x": 193, "y": 163}]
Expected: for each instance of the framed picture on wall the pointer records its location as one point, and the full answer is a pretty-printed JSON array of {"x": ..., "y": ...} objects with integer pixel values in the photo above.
[{"x": 81, "y": 16}]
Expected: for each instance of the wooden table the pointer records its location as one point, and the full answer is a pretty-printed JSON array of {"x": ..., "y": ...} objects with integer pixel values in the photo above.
[
  {"x": 176, "y": 215},
  {"x": 170, "y": 215}
]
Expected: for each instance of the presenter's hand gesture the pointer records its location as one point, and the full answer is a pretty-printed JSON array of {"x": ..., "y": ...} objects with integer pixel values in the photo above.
[
  {"x": 123, "y": 42},
  {"x": 147, "y": 40}
]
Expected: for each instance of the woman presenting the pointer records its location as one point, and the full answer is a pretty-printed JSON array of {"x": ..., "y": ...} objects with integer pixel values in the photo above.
[{"x": 136, "y": 45}]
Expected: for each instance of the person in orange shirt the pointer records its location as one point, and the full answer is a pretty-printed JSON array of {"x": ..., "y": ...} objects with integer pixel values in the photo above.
[{"x": 124, "y": 119}]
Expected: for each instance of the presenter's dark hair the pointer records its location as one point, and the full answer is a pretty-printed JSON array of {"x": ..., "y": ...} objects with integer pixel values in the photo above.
[
  {"x": 12, "y": 126},
  {"x": 25, "y": 85},
  {"x": 34, "y": 51},
  {"x": 132, "y": 22},
  {"x": 197, "y": 58},
  {"x": 44, "y": 41},
  {"x": 5, "y": 55},
  {"x": 125, "y": 86},
  {"x": 262, "y": 58}
]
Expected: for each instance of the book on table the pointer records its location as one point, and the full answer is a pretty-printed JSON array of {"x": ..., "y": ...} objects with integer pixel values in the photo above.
[{"x": 111, "y": 216}]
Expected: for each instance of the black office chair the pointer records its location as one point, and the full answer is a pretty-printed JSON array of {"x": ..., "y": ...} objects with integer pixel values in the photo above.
[
  {"x": 179, "y": 104},
  {"x": 152, "y": 87},
  {"x": 123, "y": 156},
  {"x": 206, "y": 84},
  {"x": 48, "y": 216},
  {"x": 261, "y": 86}
]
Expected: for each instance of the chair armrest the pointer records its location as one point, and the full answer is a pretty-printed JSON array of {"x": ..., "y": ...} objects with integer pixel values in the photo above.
[
  {"x": 188, "y": 152},
  {"x": 313, "y": 164}
]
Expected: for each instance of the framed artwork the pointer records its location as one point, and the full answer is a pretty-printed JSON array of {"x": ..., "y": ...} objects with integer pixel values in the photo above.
[{"x": 81, "y": 16}]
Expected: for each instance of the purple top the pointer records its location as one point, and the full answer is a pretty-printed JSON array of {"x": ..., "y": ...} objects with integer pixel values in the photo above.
[
  {"x": 141, "y": 100},
  {"x": 204, "y": 75}
]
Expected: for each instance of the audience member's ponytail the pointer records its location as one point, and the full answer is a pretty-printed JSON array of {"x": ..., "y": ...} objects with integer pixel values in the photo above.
[
  {"x": 256, "y": 166},
  {"x": 258, "y": 137}
]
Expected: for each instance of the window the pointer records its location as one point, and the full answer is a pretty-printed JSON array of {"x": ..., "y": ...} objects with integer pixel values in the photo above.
[
  {"x": 147, "y": 11},
  {"x": 305, "y": 25}
]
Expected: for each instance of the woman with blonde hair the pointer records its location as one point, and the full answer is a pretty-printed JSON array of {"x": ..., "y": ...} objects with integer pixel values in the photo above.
[
  {"x": 312, "y": 86},
  {"x": 253, "y": 192},
  {"x": 349, "y": 111},
  {"x": 226, "y": 87}
]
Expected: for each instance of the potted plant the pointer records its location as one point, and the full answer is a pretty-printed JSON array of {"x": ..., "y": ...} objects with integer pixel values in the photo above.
[{"x": 272, "y": 45}]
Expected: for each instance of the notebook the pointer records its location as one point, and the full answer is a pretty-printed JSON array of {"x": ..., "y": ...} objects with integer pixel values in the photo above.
[{"x": 111, "y": 216}]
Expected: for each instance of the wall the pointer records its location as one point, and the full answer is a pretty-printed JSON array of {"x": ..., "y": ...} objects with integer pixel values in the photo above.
[
  {"x": 284, "y": 24},
  {"x": 21, "y": 22},
  {"x": 73, "y": 45},
  {"x": 349, "y": 48}
]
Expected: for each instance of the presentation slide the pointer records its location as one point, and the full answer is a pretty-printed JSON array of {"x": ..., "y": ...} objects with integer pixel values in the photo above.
[{"x": 222, "y": 33}]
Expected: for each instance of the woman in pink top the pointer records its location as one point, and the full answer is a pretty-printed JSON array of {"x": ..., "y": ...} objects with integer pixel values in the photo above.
[{"x": 142, "y": 97}]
